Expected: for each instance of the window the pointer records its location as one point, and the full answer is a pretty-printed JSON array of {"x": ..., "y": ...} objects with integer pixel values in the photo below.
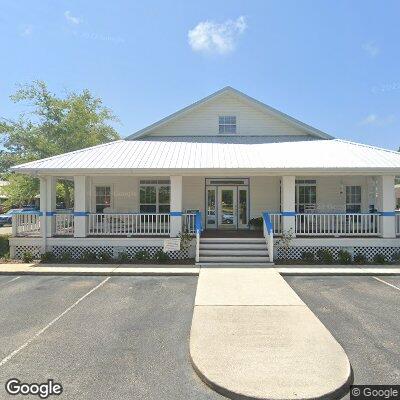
[
  {"x": 103, "y": 198},
  {"x": 227, "y": 124},
  {"x": 155, "y": 196},
  {"x": 306, "y": 195},
  {"x": 353, "y": 199}
]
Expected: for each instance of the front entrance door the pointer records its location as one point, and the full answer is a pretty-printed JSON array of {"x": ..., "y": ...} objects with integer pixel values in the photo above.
[{"x": 227, "y": 207}]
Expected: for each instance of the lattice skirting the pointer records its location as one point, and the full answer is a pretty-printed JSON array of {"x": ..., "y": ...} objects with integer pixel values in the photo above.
[
  {"x": 113, "y": 251},
  {"x": 21, "y": 250},
  {"x": 295, "y": 252}
]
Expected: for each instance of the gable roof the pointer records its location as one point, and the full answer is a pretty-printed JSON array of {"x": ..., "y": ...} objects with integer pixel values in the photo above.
[
  {"x": 292, "y": 121},
  {"x": 166, "y": 157}
]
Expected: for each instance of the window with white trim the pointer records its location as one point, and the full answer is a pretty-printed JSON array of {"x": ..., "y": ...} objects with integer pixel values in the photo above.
[
  {"x": 353, "y": 199},
  {"x": 155, "y": 196},
  {"x": 103, "y": 198},
  {"x": 227, "y": 124},
  {"x": 306, "y": 195}
]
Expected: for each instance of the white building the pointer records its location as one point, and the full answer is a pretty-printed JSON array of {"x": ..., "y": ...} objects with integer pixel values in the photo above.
[{"x": 230, "y": 159}]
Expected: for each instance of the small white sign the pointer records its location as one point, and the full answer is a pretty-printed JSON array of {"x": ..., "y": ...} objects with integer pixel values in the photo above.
[{"x": 173, "y": 244}]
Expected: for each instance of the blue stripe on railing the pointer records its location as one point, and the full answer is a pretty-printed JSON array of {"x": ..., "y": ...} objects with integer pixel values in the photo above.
[
  {"x": 80, "y": 213},
  {"x": 288, "y": 213},
  {"x": 388, "y": 213},
  {"x": 267, "y": 221},
  {"x": 198, "y": 222},
  {"x": 175, "y": 213}
]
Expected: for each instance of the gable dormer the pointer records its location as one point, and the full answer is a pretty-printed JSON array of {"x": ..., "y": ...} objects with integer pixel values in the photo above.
[{"x": 228, "y": 112}]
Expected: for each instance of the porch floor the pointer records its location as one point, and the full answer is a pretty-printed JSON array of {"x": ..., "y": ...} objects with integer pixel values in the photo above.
[{"x": 226, "y": 233}]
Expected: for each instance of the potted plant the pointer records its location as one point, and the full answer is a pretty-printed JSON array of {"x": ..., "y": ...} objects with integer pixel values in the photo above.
[{"x": 256, "y": 223}]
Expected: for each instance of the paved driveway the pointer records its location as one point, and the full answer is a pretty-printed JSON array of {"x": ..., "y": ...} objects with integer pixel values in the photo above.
[
  {"x": 362, "y": 313},
  {"x": 127, "y": 339}
]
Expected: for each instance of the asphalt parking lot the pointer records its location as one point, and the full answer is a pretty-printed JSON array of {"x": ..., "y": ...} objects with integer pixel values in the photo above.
[
  {"x": 127, "y": 339},
  {"x": 362, "y": 313}
]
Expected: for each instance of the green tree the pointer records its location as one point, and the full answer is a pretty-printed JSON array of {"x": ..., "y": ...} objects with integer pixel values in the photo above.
[{"x": 53, "y": 125}]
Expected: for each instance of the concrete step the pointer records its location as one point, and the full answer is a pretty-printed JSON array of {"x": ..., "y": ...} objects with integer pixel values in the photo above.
[
  {"x": 232, "y": 240},
  {"x": 227, "y": 246},
  {"x": 233, "y": 264},
  {"x": 234, "y": 259},
  {"x": 230, "y": 252}
]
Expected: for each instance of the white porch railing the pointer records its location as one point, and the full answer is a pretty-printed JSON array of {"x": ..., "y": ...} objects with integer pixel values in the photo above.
[
  {"x": 276, "y": 221},
  {"x": 398, "y": 223},
  {"x": 338, "y": 224},
  {"x": 64, "y": 224},
  {"x": 129, "y": 224},
  {"x": 188, "y": 223},
  {"x": 26, "y": 224}
]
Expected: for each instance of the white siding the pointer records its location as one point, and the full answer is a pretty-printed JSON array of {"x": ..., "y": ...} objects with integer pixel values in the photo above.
[
  {"x": 251, "y": 120},
  {"x": 264, "y": 195},
  {"x": 329, "y": 196}
]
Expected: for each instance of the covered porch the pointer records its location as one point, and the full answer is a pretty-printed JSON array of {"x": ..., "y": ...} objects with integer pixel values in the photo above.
[{"x": 166, "y": 206}]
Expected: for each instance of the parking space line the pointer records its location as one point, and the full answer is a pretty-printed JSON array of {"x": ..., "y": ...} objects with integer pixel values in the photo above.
[
  {"x": 11, "y": 280},
  {"x": 36, "y": 335},
  {"x": 387, "y": 283}
]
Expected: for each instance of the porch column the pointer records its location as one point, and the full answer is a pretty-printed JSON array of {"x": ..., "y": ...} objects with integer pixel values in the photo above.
[
  {"x": 176, "y": 206},
  {"x": 47, "y": 206},
  {"x": 43, "y": 207},
  {"x": 81, "y": 205},
  {"x": 288, "y": 203},
  {"x": 387, "y": 206}
]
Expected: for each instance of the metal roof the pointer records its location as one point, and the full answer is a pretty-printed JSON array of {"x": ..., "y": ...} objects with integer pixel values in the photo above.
[
  {"x": 228, "y": 89},
  {"x": 157, "y": 156}
]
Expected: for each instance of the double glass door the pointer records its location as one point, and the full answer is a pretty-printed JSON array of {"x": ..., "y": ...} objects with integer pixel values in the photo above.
[{"x": 227, "y": 207}]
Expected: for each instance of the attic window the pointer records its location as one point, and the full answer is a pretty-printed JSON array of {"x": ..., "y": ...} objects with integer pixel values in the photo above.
[{"x": 227, "y": 124}]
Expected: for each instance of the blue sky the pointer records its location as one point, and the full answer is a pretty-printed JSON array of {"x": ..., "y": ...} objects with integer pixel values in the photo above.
[{"x": 333, "y": 65}]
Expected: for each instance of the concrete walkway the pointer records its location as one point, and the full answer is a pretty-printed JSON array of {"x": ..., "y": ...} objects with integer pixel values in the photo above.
[
  {"x": 252, "y": 337},
  {"x": 96, "y": 269}
]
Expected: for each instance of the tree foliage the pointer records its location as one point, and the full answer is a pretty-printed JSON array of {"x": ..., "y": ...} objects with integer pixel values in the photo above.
[{"x": 54, "y": 125}]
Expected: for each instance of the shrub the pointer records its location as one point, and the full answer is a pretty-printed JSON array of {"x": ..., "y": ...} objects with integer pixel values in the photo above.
[
  {"x": 325, "y": 256},
  {"x": 379, "y": 259},
  {"x": 4, "y": 246},
  {"x": 396, "y": 257},
  {"x": 161, "y": 257},
  {"x": 308, "y": 257},
  {"x": 123, "y": 257},
  {"x": 27, "y": 257},
  {"x": 48, "y": 256},
  {"x": 65, "y": 257},
  {"x": 105, "y": 257},
  {"x": 344, "y": 257},
  {"x": 88, "y": 257},
  {"x": 142, "y": 255},
  {"x": 360, "y": 259}
]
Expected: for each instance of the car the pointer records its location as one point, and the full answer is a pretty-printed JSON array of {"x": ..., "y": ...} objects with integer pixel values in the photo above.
[{"x": 7, "y": 217}]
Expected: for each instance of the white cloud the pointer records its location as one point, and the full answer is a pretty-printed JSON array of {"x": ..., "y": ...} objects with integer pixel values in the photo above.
[
  {"x": 212, "y": 37},
  {"x": 371, "y": 48},
  {"x": 373, "y": 119},
  {"x": 72, "y": 19},
  {"x": 26, "y": 30}
]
